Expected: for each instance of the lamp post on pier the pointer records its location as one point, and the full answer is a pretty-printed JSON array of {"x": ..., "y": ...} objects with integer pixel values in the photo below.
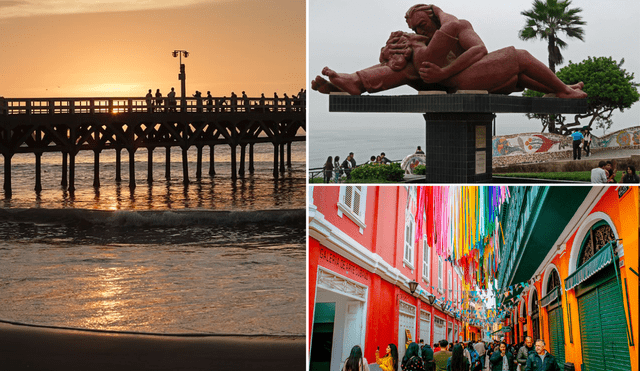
[{"x": 182, "y": 77}]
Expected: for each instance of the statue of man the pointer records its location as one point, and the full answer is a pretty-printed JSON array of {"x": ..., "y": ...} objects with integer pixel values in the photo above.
[{"x": 445, "y": 53}]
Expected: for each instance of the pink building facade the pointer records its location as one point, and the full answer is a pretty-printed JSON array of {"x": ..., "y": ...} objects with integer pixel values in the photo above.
[{"x": 363, "y": 253}]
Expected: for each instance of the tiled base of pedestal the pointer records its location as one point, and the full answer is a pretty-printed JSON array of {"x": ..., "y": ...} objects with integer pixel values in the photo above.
[{"x": 458, "y": 147}]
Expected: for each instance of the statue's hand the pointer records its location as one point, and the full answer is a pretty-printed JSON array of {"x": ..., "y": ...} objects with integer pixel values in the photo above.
[{"x": 431, "y": 73}]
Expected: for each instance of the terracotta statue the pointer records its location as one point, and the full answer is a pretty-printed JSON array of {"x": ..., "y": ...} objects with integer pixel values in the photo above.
[{"x": 445, "y": 53}]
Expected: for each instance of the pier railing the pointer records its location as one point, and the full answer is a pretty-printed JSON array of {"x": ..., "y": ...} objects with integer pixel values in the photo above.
[{"x": 53, "y": 106}]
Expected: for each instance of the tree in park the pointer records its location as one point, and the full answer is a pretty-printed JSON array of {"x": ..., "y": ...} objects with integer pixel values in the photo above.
[
  {"x": 608, "y": 85},
  {"x": 546, "y": 20}
]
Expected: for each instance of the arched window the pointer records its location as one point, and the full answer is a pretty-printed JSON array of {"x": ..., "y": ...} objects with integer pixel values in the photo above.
[
  {"x": 554, "y": 280},
  {"x": 598, "y": 236}
]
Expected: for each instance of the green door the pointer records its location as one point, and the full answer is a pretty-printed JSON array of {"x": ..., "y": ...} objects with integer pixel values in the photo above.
[
  {"x": 556, "y": 330},
  {"x": 603, "y": 329}
]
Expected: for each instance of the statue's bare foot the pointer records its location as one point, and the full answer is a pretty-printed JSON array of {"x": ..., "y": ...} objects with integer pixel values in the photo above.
[
  {"x": 349, "y": 82},
  {"x": 323, "y": 86},
  {"x": 578, "y": 86},
  {"x": 572, "y": 94}
]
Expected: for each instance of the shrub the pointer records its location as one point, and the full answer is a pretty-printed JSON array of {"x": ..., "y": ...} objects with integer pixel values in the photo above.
[
  {"x": 389, "y": 173},
  {"x": 420, "y": 170}
]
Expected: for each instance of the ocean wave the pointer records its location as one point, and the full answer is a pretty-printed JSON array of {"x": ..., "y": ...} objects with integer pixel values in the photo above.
[{"x": 135, "y": 218}]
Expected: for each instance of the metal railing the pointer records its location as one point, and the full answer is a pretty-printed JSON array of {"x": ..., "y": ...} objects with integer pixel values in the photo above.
[{"x": 53, "y": 106}]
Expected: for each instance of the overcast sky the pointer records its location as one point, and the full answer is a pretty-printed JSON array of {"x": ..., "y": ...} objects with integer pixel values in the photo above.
[{"x": 347, "y": 36}]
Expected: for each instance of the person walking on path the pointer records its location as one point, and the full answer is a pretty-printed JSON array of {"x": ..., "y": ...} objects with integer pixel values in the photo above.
[
  {"x": 578, "y": 140},
  {"x": 524, "y": 351},
  {"x": 412, "y": 360},
  {"x": 427, "y": 358},
  {"x": 587, "y": 141},
  {"x": 390, "y": 361},
  {"x": 457, "y": 361},
  {"x": 502, "y": 360},
  {"x": 541, "y": 360},
  {"x": 442, "y": 356},
  {"x": 480, "y": 348},
  {"x": 356, "y": 362}
]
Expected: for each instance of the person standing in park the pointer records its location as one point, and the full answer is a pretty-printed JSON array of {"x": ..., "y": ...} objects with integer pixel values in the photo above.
[
  {"x": 336, "y": 169},
  {"x": 541, "y": 360},
  {"x": 587, "y": 141},
  {"x": 578, "y": 140},
  {"x": 347, "y": 166}
]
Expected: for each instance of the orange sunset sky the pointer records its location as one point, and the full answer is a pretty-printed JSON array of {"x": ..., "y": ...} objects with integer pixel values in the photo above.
[{"x": 113, "y": 48}]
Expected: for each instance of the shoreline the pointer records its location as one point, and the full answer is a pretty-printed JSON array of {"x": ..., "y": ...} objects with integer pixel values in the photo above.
[{"x": 35, "y": 347}]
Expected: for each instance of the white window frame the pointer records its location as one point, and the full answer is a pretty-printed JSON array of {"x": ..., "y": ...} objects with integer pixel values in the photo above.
[
  {"x": 450, "y": 287},
  {"x": 409, "y": 241},
  {"x": 426, "y": 260},
  {"x": 440, "y": 269},
  {"x": 345, "y": 209}
]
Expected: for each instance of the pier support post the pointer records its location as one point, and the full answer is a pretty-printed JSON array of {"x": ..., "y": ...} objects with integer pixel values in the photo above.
[
  {"x": 96, "y": 168},
  {"x": 243, "y": 153},
  {"x": 251, "y": 168},
  {"x": 132, "y": 168},
  {"x": 63, "y": 182},
  {"x": 38, "y": 186},
  {"x": 289, "y": 155},
  {"x": 282, "y": 157},
  {"x": 185, "y": 166},
  {"x": 212, "y": 163},
  {"x": 167, "y": 169},
  {"x": 150, "y": 164},
  {"x": 234, "y": 174},
  {"x": 275, "y": 160},
  {"x": 118, "y": 161},
  {"x": 199, "y": 163},
  {"x": 72, "y": 171},
  {"x": 7, "y": 174}
]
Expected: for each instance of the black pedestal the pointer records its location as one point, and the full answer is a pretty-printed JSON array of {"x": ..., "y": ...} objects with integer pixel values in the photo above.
[{"x": 458, "y": 147}]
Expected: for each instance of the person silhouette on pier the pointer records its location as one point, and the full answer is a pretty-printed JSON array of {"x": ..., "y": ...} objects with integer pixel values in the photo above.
[
  {"x": 149, "y": 101},
  {"x": 172, "y": 100},
  {"x": 209, "y": 102},
  {"x": 275, "y": 102},
  {"x": 247, "y": 104},
  {"x": 262, "y": 102},
  {"x": 159, "y": 100},
  {"x": 234, "y": 101},
  {"x": 198, "y": 96}
]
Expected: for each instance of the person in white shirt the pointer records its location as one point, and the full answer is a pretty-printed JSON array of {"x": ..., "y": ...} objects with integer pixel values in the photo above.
[{"x": 599, "y": 174}]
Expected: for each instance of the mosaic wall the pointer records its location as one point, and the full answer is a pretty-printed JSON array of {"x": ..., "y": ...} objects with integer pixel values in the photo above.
[{"x": 521, "y": 144}]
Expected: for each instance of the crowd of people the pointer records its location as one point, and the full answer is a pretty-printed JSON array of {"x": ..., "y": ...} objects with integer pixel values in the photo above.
[
  {"x": 606, "y": 173},
  {"x": 460, "y": 356},
  {"x": 232, "y": 104},
  {"x": 334, "y": 171}
]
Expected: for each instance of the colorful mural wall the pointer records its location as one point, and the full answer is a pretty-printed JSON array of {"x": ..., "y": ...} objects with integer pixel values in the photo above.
[{"x": 521, "y": 144}]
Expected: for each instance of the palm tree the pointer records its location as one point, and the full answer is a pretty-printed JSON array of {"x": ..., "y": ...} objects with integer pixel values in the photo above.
[{"x": 546, "y": 20}]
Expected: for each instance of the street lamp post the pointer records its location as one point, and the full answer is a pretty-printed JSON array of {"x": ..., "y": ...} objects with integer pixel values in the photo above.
[{"x": 182, "y": 77}]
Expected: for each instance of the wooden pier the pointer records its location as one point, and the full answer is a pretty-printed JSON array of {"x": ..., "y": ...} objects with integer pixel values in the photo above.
[{"x": 70, "y": 125}]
